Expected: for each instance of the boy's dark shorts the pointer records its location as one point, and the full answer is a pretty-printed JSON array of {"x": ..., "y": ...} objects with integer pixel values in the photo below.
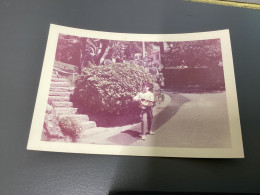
[{"x": 147, "y": 110}]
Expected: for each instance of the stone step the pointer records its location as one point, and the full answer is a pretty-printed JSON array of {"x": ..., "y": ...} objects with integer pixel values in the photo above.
[
  {"x": 60, "y": 84},
  {"x": 78, "y": 117},
  {"x": 62, "y": 89},
  {"x": 60, "y": 110},
  {"x": 55, "y": 79},
  {"x": 62, "y": 104},
  {"x": 82, "y": 118},
  {"x": 59, "y": 98},
  {"x": 59, "y": 93},
  {"x": 88, "y": 125},
  {"x": 90, "y": 133},
  {"x": 98, "y": 135}
]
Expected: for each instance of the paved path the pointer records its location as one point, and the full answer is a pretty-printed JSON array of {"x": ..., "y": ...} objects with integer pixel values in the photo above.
[
  {"x": 189, "y": 120},
  {"x": 123, "y": 135}
]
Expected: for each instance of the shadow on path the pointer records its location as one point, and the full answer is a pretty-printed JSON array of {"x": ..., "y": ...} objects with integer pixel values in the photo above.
[
  {"x": 129, "y": 136},
  {"x": 133, "y": 133},
  {"x": 107, "y": 121},
  {"x": 168, "y": 112},
  {"x": 126, "y": 137}
]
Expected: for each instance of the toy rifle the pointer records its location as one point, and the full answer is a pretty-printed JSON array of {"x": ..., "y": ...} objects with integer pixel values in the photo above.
[{"x": 145, "y": 102}]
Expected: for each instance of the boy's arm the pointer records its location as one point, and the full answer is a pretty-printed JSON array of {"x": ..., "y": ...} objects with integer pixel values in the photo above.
[
  {"x": 152, "y": 101},
  {"x": 151, "y": 97},
  {"x": 137, "y": 97}
]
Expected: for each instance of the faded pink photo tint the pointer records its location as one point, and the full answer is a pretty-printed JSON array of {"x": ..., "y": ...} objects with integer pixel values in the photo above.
[
  {"x": 92, "y": 87},
  {"x": 134, "y": 94}
]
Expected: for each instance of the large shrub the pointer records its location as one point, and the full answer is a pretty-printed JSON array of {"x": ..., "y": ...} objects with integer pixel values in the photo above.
[
  {"x": 109, "y": 89},
  {"x": 70, "y": 127}
]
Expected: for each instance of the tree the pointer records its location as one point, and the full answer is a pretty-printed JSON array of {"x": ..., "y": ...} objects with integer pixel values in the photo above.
[
  {"x": 132, "y": 47},
  {"x": 67, "y": 49},
  {"x": 161, "y": 45},
  {"x": 95, "y": 49},
  {"x": 81, "y": 51}
]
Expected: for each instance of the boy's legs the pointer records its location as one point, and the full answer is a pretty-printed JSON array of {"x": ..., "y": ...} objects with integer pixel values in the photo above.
[
  {"x": 149, "y": 122},
  {"x": 143, "y": 116}
]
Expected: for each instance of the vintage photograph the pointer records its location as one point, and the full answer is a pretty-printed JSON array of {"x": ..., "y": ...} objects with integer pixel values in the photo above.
[{"x": 130, "y": 94}]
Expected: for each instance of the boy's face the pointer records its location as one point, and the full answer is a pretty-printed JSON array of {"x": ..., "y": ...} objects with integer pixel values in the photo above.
[{"x": 145, "y": 88}]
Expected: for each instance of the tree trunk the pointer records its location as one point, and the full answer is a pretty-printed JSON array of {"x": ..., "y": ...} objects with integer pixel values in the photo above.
[
  {"x": 162, "y": 53},
  {"x": 82, "y": 54},
  {"x": 103, "y": 49}
]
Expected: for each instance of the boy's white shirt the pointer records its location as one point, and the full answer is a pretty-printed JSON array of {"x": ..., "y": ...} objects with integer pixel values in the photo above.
[{"x": 146, "y": 96}]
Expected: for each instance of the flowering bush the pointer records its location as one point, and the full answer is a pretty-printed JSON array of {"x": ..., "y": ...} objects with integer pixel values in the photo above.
[
  {"x": 109, "y": 89},
  {"x": 70, "y": 127}
]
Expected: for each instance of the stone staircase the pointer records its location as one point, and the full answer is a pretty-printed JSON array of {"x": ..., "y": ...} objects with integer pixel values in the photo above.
[{"x": 60, "y": 91}]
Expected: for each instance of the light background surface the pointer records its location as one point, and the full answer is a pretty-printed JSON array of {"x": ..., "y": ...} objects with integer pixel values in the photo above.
[{"x": 24, "y": 29}]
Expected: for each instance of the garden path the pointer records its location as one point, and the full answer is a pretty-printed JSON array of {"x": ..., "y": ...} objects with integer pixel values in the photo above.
[
  {"x": 103, "y": 135},
  {"x": 191, "y": 120}
]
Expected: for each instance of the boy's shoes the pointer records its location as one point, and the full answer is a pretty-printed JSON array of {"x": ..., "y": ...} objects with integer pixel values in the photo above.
[
  {"x": 151, "y": 133},
  {"x": 143, "y": 137}
]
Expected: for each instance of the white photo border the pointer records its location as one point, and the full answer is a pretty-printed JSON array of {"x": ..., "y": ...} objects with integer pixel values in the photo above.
[{"x": 35, "y": 143}]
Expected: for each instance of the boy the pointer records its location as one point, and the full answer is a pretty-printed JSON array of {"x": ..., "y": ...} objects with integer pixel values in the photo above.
[{"x": 146, "y": 100}]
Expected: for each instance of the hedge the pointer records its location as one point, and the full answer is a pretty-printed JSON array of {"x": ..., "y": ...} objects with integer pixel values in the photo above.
[{"x": 109, "y": 89}]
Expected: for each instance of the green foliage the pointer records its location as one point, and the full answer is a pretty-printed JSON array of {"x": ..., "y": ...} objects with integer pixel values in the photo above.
[
  {"x": 109, "y": 89},
  {"x": 81, "y": 50},
  {"x": 193, "y": 54},
  {"x": 131, "y": 48},
  {"x": 68, "y": 49},
  {"x": 69, "y": 126}
]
